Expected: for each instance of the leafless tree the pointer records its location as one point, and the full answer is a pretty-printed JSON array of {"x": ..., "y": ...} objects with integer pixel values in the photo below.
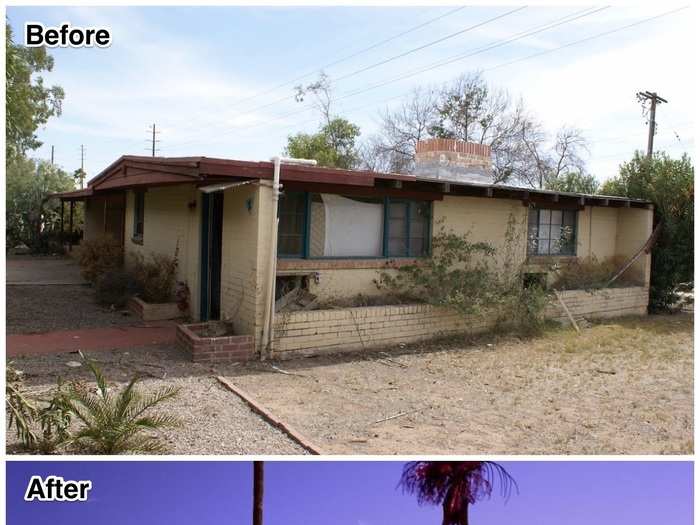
[
  {"x": 394, "y": 148},
  {"x": 469, "y": 109},
  {"x": 546, "y": 163}
]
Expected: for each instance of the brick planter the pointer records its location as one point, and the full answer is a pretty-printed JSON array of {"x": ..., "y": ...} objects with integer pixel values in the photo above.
[
  {"x": 154, "y": 311},
  {"x": 227, "y": 349}
]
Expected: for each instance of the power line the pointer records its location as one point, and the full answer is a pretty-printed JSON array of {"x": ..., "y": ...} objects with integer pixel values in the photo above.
[
  {"x": 390, "y": 59},
  {"x": 528, "y": 57},
  {"x": 429, "y": 44},
  {"x": 517, "y": 36},
  {"x": 353, "y": 55},
  {"x": 592, "y": 37}
]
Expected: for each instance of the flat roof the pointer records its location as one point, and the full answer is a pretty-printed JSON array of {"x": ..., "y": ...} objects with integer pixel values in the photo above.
[{"x": 130, "y": 171}]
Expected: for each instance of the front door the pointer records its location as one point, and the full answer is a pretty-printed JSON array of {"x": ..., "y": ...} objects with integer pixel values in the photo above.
[{"x": 212, "y": 226}]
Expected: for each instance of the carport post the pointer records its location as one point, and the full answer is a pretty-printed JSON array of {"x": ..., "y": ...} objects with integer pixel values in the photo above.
[
  {"x": 70, "y": 226},
  {"x": 62, "y": 203}
]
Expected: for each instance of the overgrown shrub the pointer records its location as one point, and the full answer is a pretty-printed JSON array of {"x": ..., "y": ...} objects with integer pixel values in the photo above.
[
  {"x": 47, "y": 243},
  {"x": 104, "y": 422},
  {"x": 669, "y": 184},
  {"x": 41, "y": 425},
  {"x": 97, "y": 256},
  {"x": 466, "y": 277},
  {"x": 114, "y": 287},
  {"x": 454, "y": 276},
  {"x": 590, "y": 274},
  {"x": 156, "y": 276}
]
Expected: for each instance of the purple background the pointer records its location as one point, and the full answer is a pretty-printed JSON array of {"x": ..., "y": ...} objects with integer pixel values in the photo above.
[{"x": 352, "y": 493}]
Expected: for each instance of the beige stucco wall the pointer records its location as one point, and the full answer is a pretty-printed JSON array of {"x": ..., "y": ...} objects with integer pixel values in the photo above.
[
  {"x": 169, "y": 223},
  {"x": 597, "y": 232},
  {"x": 239, "y": 264},
  {"x": 486, "y": 220},
  {"x": 634, "y": 227},
  {"x": 94, "y": 218},
  {"x": 602, "y": 232}
]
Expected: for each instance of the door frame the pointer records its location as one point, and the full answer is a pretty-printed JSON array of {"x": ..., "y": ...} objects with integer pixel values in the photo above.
[{"x": 210, "y": 258}]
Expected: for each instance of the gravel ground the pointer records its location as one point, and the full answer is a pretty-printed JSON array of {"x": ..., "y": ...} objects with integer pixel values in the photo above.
[
  {"x": 214, "y": 420},
  {"x": 36, "y": 309},
  {"x": 621, "y": 387}
]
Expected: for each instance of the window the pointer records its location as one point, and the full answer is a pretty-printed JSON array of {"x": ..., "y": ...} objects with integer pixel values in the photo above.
[
  {"x": 138, "y": 215},
  {"x": 409, "y": 228},
  {"x": 319, "y": 225},
  {"x": 291, "y": 237},
  {"x": 551, "y": 232}
]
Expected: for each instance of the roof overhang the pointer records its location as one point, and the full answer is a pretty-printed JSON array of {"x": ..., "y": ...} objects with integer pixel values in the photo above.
[
  {"x": 77, "y": 195},
  {"x": 141, "y": 172}
]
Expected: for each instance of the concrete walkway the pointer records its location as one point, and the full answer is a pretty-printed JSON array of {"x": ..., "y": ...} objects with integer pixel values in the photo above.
[
  {"x": 66, "y": 341},
  {"x": 26, "y": 269}
]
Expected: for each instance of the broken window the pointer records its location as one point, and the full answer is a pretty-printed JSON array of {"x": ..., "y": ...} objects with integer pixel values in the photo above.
[
  {"x": 551, "y": 232},
  {"x": 346, "y": 226}
]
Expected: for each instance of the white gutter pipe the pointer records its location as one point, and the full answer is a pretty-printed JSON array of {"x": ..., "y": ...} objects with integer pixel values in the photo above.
[{"x": 268, "y": 327}]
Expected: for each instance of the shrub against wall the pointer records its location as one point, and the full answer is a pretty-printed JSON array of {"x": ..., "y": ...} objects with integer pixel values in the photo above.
[
  {"x": 591, "y": 274},
  {"x": 115, "y": 287},
  {"x": 98, "y": 256},
  {"x": 470, "y": 278},
  {"x": 156, "y": 276},
  {"x": 669, "y": 184}
]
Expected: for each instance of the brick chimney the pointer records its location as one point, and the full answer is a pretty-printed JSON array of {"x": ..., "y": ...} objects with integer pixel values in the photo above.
[{"x": 453, "y": 160}]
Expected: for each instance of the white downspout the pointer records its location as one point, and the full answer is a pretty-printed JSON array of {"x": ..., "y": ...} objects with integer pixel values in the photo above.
[{"x": 268, "y": 326}]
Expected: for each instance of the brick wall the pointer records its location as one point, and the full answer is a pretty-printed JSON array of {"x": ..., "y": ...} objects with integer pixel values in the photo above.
[
  {"x": 613, "y": 302},
  {"x": 330, "y": 331},
  {"x": 234, "y": 348}
]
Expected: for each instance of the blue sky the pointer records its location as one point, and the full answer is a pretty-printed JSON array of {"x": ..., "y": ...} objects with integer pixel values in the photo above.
[
  {"x": 202, "y": 74},
  {"x": 351, "y": 493}
]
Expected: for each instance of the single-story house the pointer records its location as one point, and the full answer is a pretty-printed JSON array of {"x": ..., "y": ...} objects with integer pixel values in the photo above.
[{"x": 338, "y": 229}]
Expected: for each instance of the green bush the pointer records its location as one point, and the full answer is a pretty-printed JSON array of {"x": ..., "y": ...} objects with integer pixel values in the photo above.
[
  {"x": 466, "y": 277},
  {"x": 454, "y": 276},
  {"x": 669, "y": 184},
  {"x": 115, "y": 287},
  {"x": 97, "y": 256},
  {"x": 156, "y": 276},
  {"x": 116, "y": 422}
]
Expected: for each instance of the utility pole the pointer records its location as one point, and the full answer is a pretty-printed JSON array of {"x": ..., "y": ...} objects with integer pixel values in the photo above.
[
  {"x": 643, "y": 96},
  {"x": 52, "y": 155},
  {"x": 152, "y": 131},
  {"x": 81, "y": 176},
  {"x": 258, "y": 489}
]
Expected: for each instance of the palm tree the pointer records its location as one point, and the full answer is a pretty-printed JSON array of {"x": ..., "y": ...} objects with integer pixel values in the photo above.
[
  {"x": 455, "y": 485},
  {"x": 258, "y": 487}
]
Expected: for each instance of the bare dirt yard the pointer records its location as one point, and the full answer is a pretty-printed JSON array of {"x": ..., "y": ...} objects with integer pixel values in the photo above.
[
  {"x": 212, "y": 419},
  {"x": 45, "y": 308},
  {"x": 623, "y": 386}
]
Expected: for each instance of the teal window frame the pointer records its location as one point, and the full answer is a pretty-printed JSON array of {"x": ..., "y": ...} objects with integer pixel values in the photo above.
[{"x": 386, "y": 202}]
